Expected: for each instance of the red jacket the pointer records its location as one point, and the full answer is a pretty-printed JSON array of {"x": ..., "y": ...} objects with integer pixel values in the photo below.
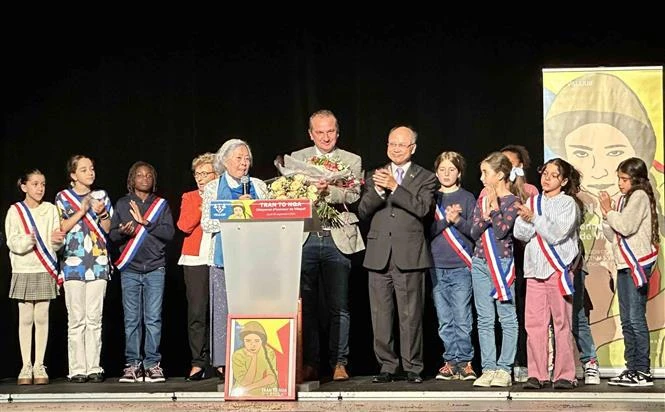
[{"x": 190, "y": 222}]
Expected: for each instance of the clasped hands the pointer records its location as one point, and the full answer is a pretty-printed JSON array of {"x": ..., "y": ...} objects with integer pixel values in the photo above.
[
  {"x": 384, "y": 180},
  {"x": 491, "y": 201},
  {"x": 605, "y": 202},
  {"x": 525, "y": 213},
  {"x": 128, "y": 228},
  {"x": 96, "y": 205},
  {"x": 453, "y": 213}
]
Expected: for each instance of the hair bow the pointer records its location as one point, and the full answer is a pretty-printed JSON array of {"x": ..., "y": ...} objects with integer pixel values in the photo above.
[{"x": 516, "y": 171}]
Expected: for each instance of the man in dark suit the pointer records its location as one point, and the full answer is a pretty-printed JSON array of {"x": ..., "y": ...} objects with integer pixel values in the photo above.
[{"x": 397, "y": 199}]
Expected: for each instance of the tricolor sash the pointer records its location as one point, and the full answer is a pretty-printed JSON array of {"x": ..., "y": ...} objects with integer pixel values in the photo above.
[
  {"x": 562, "y": 270},
  {"x": 501, "y": 279},
  {"x": 453, "y": 237},
  {"x": 43, "y": 253},
  {"x": 635, "y": 264},
  {"x": 151, "y": 215},
  {"x": 89, "y": 218}
]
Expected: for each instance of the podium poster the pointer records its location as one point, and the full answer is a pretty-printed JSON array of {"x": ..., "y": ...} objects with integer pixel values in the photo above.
[
  {"x": 261, "y": 209},
  {"x": 262, "y": 358},
  {"x": 595, "y": 118}
]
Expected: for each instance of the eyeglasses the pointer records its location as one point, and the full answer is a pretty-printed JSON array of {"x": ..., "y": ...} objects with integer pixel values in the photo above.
[
  {"x": 400, "y": 145},
  {"x": 202, "y": 174}
]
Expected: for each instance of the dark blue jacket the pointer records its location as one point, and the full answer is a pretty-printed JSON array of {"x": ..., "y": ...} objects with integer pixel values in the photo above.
[
  {"x": 443, "y": 254},
  {"x": 152, "y": 252}
]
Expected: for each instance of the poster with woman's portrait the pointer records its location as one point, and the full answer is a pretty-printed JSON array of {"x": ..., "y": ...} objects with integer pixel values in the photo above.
[
  {"x": 595, "y": 118},
  {"x": 261, "y": 358}
]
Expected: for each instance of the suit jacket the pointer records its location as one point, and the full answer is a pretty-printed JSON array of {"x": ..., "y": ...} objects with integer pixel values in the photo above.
[
  {"x": 397, "y": 221},
  {"x": 347, "y": 238}
]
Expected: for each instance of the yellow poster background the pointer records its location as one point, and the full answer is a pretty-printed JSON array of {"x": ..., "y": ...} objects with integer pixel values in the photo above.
[{"x": 629, "y": 99}]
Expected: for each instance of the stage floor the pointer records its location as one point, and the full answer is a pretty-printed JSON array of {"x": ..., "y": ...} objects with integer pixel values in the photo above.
[{"x": 357, "y": 388}]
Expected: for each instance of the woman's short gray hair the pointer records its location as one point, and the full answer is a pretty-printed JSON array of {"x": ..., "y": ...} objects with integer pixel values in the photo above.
[{"x": 225, "y": 151}]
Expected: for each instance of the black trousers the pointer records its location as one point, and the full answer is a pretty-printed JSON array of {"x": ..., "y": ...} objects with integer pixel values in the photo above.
[{"x": 197, "y": 281}]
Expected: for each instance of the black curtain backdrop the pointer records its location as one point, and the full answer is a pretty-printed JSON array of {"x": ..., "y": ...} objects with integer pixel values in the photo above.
[{"x": 164, "y": 95}]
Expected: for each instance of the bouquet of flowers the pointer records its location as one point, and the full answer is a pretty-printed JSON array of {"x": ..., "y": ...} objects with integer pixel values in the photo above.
[
  {"x": 296, "y": 173},
  {"x": 292, "y": 187}
]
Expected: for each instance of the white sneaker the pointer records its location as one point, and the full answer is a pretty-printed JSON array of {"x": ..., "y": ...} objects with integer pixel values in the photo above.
[
  {"x": 25, "y": 376},
  {"x": 632, "y": 379},
  {"x": 40, "y": 375},
  {"x": 591, "y": 373},
  {"x": 485, "y": 380},
  {"x": 520, "y": 374},
  {"x": 502, "y": 379}
]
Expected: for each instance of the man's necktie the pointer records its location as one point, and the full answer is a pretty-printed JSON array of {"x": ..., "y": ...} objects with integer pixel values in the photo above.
[{"x": 399, "y": 175}]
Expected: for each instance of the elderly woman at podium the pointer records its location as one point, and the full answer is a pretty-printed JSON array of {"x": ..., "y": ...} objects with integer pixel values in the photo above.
[{"x": 232, "y": 163}]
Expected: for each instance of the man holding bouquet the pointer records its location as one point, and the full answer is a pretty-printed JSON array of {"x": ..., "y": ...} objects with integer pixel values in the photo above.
[{"x": 325, "y": 261}]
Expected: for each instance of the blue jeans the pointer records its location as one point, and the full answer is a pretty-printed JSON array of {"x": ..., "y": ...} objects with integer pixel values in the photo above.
[
  {"x": 142, "y": 295},
  {"x": 325, "y": 270},
  {"x": 487, "y": 308},
  {"x": 632, "y": 311},
  {"x": 451, "y": 291},
  {"x": 581, "y": 329}
]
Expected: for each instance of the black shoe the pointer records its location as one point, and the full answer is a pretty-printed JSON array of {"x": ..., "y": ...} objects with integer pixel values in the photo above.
[
  {"x": 413, "y": 377},
  {"x": 533, "y": 383},
  {"x": 95, "y": 377},
  {"x": 310, "y": 373},
  {"x": 200, "y": 375},
  {"x": 78, "y": 379},
  {"x": 220, "y": 374},
  {"x": 383, "y": 377},
  {"x": 564, "y": 384}
]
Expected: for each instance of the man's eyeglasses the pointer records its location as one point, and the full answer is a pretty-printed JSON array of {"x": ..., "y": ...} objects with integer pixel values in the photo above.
[
  {"x": 400, "y": 145},
  {"x": 202, "y": 174}
]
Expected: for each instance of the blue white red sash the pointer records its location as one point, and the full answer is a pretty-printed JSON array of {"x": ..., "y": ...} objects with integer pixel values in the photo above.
[
  {"x": 140, "y": 233},
  {"x": 454, "y": 238},
  {"x": 151, "y": 215},
  {"x": 88, "y": 218},
  {"x": 635, "y": 264},
  {"x": 501, "y": 279},
  {"x": 43, "y": 253},
  {"x": 565, "y": 281}
]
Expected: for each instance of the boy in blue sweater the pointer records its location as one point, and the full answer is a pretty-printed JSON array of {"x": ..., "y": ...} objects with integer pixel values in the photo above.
[{"x": 142, "y": 225}]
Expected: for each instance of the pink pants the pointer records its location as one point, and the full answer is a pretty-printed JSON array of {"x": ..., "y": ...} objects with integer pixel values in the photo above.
[{"x": 544, "y": 300}]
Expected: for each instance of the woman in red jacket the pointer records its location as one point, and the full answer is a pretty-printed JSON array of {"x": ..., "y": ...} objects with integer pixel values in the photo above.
[{"x": 194, "y": 260}]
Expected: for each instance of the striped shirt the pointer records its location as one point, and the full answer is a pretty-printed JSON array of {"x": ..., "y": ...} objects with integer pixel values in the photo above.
[{"x": 558, "y": 225}]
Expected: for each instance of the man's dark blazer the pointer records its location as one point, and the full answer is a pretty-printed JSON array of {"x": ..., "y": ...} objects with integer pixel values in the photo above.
[{"x": 397, "y": 221}]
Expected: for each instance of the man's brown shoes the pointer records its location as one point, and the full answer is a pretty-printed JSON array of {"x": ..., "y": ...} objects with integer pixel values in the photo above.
[{"x": 340, "y": 373}]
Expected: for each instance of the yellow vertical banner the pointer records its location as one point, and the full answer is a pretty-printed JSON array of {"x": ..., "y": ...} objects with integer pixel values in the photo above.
[{"x": 595, "y": 118}]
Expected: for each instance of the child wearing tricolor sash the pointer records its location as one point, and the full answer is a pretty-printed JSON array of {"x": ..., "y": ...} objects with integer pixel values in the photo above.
[
  {"x": 85, "y": 215},
  {"x": 142, "y": 226},
  {"x": 550, "y": 222},
  {"x": 33, "y": 238},
  {"x": 632, "y": 228},
  {"x": 493, "y": 271},
  {"x": 451, "y": 247}
]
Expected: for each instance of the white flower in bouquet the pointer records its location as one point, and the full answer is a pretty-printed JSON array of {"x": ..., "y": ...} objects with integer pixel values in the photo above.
[{"x": 297, "y": 172}]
